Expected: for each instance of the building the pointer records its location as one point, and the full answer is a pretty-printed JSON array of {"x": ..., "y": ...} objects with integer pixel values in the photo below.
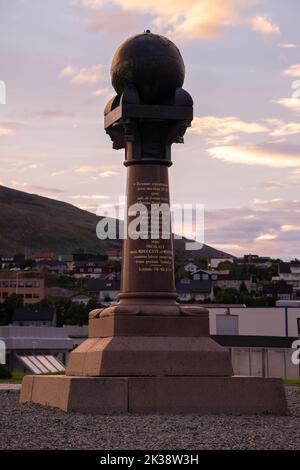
[
  {"x": 88, "y": 265},
  {"x": 278, "y": 291},
  {"x": 25, "y": 316},
  {"x": 93, "y": 269},
  {"x": 191, "y": 290},
  {"x": 114, "y": 255},
  {"x": 260, "y": 340},
  {"x": 205, "y": 275},
  {"x": 230, "y": 281},
  {"x": 7, "y": 262},
  {"x": 106, "y": 289},
  {"x": 290, "y": 273},
  {"x": 215, "y": 261},
  {"x": 51, "y": 266},
  {"x": 35, "y": 350},
  {"x": 262, "y": 262},
  {"x": 191, "y": 268},
  {"x": 43, "y": 256},
  {"x": 61, "y": 292},
  {"x": 81, "y": 298},
  {"x": 31, "y": 288}
]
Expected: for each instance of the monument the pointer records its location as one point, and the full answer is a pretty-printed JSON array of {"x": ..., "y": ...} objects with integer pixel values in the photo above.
[{"x": 148, "y": 353}]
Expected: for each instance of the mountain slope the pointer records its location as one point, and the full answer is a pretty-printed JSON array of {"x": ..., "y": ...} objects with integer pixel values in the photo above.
[{"x": 32, "y": 222}]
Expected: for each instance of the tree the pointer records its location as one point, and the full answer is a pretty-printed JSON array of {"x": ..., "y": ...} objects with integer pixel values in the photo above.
[
  {"x": 92, "y": 305},
  {"x": 76, "y": 315},
  {"x": 225, "y": 266},
  {"x": 243, "y": 288},
  {"x": 9, "y": 306}
]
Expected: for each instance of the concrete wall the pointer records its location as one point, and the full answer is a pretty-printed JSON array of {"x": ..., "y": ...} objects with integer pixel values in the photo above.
[
  {"x": 264, "y": 362},
  {"x": 260, "y": 321}
]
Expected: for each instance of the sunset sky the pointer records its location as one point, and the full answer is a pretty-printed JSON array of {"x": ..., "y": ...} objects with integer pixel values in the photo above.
[{"x": 241, "y": 158}]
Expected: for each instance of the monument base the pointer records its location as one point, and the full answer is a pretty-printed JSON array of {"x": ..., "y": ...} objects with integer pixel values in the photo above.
[{"x": 205, "y": 395}]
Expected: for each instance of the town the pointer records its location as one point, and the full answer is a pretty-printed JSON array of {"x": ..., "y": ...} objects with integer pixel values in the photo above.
[{"x": 49, "y": 289}]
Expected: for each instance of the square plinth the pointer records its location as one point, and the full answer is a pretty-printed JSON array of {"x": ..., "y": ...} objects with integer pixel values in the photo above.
[{"x": 205, "y": 395}]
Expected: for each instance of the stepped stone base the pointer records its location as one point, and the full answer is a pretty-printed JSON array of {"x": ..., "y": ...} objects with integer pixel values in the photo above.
[{"x": 206, "y": 395}]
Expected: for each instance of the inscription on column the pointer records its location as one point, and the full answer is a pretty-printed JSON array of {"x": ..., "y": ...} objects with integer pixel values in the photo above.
[{"x": 153, "y": 254}]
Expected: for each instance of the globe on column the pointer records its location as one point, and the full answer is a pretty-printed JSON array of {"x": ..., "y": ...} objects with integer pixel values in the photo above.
[{"x": 150, "y": 63}]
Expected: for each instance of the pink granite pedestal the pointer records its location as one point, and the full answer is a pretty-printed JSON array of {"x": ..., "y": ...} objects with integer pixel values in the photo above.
[{"x": 153, "y": 365}]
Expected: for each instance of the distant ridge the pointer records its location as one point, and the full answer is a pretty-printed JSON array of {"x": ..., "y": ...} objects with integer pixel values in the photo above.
[{"x": 33, "y": 222}]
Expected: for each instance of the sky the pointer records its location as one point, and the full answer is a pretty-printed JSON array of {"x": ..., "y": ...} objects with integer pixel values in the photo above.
[{"x": 241, "y": 158}]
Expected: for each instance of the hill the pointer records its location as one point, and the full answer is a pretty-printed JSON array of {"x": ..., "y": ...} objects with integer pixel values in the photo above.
[{"x": 33, "y": 222}]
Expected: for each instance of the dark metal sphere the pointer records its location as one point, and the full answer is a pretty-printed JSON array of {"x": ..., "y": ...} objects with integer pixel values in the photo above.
[{"x": 151, "y": 63}]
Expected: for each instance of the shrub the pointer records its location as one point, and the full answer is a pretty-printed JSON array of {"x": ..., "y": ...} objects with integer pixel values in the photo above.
[{"x": 4, "y": 373}]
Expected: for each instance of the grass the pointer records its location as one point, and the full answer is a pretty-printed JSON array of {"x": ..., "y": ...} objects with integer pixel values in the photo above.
[
  {"x": 291, "y": 382},
  {"x": 15, "y": 378}
]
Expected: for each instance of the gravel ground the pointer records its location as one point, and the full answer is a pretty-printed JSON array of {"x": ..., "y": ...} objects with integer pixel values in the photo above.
[{"x": 33, "y": 427}]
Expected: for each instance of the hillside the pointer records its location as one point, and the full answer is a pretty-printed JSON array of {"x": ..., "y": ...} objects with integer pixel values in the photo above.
[{"x": 33, "y": 222}]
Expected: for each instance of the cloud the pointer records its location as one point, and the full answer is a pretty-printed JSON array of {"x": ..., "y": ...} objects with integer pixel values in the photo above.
[
  {"x": 55, "y": 114},
  {"x": 284, "y": 128},
  {"x": 103, "y": 171},
  {"x": 290, "y": 228},
  {"x": 269, "y": 155},
  {"x": 226, "y": 128},
  {"x": 267, "y": 236},
  {"x": 57, "y": 173},
  {"x": 188, "y": 20},
  {"x": 270, "y": 185},
  {"x": 278, "y": 204},
  {"x": 43, "y": 190},
  {"x": 7, "y": 130},
  {"x": 101, "y": 92},
  {"x": 271, "y": 229},
  {"x": 85, "y": 75},
  {"x": 88, "y": 75},
  {"x": 87, "y": 169},
  {"x": 108, "y": 174},
  {"x": 288, "y": 45},
  {"x": 293, "y": 71},
  {"x": 291, "y": 103},
  {"x": 68, "y": 71},
  {"x": 115, "y": 22},
  {"x": 89, "y": 196},
  {"x": 262, "y": 24}
]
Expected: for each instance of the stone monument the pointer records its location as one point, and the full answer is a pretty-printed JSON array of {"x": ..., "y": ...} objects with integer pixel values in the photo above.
[{"x": 148, "y": 353}]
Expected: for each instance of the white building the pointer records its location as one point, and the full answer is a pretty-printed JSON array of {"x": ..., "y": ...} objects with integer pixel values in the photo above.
[{"x": 290, "y": 273}]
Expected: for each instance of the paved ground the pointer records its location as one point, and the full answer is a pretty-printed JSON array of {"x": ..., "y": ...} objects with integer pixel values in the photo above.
[
  {"x": 10, "y": 386},
  {"x": 32, "y": 427}
]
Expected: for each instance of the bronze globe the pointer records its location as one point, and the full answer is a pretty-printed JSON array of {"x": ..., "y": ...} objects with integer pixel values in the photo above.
[{"x": 152, "y": 64}]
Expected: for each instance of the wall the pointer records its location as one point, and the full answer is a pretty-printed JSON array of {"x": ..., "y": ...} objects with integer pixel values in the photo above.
[{"x": 260, "y": 321}]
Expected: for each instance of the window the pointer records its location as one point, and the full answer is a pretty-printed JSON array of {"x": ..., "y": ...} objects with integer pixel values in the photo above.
[
  {"x": 36, "y": 296},
  {"x": 28, "y": 284},
  {"x": 28, "y": 296},
  {"x": 37, "y": 284},
  {"x": 227, "y": 324},
  {"x": 205, "y": 277}
]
